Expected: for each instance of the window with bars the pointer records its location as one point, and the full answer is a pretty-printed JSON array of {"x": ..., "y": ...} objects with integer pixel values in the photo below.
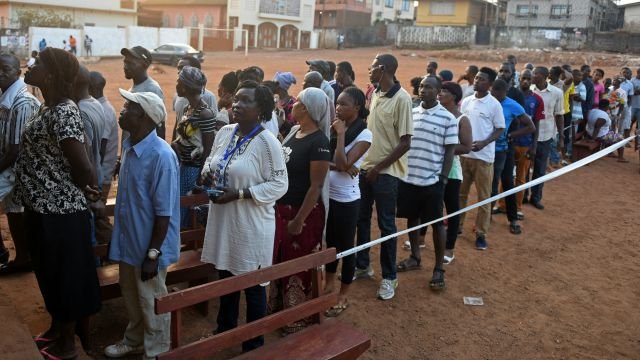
[
  {"x": 388, "y": 3},
  {"x": 406, "y": 5},
  {"x": 560, "y": 11},
  {"x": 527, "y": 11}
]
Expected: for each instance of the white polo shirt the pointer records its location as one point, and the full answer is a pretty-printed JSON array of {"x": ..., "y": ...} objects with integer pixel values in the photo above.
[
  {"x": 553, "y": 105},
  {"x": 485, "y": 115}
]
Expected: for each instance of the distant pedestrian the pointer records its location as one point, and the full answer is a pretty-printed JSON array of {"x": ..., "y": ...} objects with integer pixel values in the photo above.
[
  {"x": 65, "y": 46},
  {"x": 340, "y": 41},
  {"x": 73, "y": 43},
  {"x": 88, "y": 42},
  {"x": 42, "y": 45}
]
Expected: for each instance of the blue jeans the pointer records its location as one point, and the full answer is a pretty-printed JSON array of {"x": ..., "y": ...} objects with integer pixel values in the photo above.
[
  {"x": 540, "y": 167},
  {"x": 554, "y": 155},
  {"x": 384, "y": 192}
]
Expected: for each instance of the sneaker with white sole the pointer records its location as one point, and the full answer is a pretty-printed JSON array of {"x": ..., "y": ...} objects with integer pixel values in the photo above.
[
  {"x": 387, "y": 289},
  {"x": 363, "y": 273},
  {"x": 449, "y": 259},
  {"x": 121, "y": 349}
]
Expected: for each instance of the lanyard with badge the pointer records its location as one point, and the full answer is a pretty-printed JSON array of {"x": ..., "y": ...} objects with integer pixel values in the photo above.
[{"x": 224, "y": 161}]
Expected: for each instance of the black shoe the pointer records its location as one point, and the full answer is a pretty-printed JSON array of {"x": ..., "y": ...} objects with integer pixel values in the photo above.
[
  {"x": 537, "y": 205},
  {"x": 4, "y": 256},
  {"x": 11, "y": 268}
]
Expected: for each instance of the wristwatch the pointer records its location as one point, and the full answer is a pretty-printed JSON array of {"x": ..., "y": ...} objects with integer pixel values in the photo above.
[{"x": 153, "y": 254}]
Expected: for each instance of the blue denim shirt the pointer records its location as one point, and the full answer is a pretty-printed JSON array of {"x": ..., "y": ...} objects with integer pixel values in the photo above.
[
  {"x": 148, "y": 186},
  {"x": 511, "y": 110}
]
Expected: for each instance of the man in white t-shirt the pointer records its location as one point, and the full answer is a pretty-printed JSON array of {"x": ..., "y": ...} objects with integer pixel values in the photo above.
[
  {"x": 598, "y": 128},
  {"x": 487, "y": 124},
  {"x": 553, "y": 99}
]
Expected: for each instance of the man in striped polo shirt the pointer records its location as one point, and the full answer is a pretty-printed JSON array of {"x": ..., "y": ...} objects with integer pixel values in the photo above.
[
  {"x": 421, "y": 193},
  {"x": 17, "y": 105}
]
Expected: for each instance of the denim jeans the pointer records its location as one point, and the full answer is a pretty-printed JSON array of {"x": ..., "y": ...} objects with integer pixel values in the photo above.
[
  {"x": 256, "y": 299},
  {"x": 554, "y": 154},
  {"x": 503, "y": 171},
  {"x": 540, "y": 167},
  {"x": 384, "y": 193}
]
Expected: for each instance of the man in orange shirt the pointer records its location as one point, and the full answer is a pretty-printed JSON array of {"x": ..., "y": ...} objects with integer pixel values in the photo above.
[{"x": 72, "y": 43}]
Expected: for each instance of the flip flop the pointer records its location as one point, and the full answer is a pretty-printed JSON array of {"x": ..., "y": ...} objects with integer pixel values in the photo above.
[
  {"x": 42, "y": 342},
  {"x": 336, "y": 310},
  {"x": 48, "y": 356},
  {"x": 623, "y": 160},
  {"x": 515, "y": 229},
  {"x": 406, "y": 265},
  {"x": 437, "y": 280}
]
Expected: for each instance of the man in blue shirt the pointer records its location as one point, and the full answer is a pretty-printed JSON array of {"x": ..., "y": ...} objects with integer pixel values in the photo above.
[
  {"x": 146, "y": 237},
  {"x": 514, "y": 115}
]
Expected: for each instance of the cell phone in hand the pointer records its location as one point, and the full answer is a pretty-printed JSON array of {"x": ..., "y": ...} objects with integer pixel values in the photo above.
[{"x": 214, "y": 193}]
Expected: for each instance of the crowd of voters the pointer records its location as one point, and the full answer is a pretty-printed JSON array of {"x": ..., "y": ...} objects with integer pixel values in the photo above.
[{"x": 286, "y": 174}]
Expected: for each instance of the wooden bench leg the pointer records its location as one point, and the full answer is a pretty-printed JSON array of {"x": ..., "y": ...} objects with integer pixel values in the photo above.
[
  {"x": 202, "y": 307},
  {"x": 176, "y": 320}
]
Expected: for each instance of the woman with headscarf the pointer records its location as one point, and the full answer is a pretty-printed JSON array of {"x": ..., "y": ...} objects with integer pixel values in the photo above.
[
  {"x": 195, "y": 131},
  {"x": 247, "y": 164},
  {"x": 55, "y": 182},
  {"x": 284, "y": 101},
  {"x": 300, "y": 213},
  {"x": 350, "y": 141}
]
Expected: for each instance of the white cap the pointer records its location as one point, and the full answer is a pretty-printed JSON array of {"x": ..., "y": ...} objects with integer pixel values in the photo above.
[{"x": 151, "y": 103}]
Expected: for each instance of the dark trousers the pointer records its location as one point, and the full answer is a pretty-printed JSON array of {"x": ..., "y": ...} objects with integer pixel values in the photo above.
[
  {"x": 567, "y": 131},
  {"x": 256, "y": 298},
  {"x": 503, "y": 166},
  {"x": 384, "y": 192},
  {"x": 341, "y": 231},
  {"x": 540, "y": 167},
  {"x": 452, "y": 203}
]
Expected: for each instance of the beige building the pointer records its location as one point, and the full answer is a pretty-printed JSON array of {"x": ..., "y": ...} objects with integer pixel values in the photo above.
[{"x": 107, "y": 13}]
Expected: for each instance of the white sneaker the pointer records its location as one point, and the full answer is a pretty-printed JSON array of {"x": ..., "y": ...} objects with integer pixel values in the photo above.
[
  {"x": 121, "y": 349},
  {"x": 387, "y": 289},
  {"x": 363, "y": 273},
  {"x": 449, "y": 259}
]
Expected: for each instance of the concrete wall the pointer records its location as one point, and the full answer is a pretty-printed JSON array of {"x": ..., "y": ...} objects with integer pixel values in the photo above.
[
  {"x": 632, "y": 17},
  {"x": 596, "y": 14},
  {"x": 113, "y": 5},
  {"x": 109, "y": 41},
  {"x": 433, "y": 37},
  {"x": 623, "y": 42},
  {"x": 541, "y": 38},
  {"x": 216, "y": 13}
]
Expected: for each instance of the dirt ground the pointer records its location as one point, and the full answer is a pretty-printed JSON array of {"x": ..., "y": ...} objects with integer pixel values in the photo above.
[{"x": 566, "y": 288}]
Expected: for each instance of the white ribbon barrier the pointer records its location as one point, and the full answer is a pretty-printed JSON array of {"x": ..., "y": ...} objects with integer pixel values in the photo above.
[{"x": 540, "y": 180}]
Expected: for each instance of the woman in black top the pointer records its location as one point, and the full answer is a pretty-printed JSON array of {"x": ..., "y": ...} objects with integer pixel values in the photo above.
[{"x": 300, "y": 213}]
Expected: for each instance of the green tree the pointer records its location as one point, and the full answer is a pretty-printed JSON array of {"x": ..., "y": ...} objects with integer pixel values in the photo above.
[{"x": 28, "y": 18}]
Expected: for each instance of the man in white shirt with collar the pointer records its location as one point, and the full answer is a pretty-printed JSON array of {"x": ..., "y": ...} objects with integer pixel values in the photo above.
[
  {"x": 487, "y": 124},
  {"x": 547, "y": 128}
]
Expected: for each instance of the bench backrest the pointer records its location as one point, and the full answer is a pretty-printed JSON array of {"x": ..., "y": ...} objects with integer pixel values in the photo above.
[
  {"x": 314, "y": 307},
  {"x": 186, "y": 201}
]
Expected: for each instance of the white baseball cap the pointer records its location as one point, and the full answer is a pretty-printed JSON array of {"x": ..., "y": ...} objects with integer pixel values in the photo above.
[{"x": 151, "y": 103}]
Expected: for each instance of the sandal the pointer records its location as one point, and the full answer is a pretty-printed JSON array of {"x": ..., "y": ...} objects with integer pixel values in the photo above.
[
  {"x": 42, "y": 342},
  {"x": 408, "y": 264},
  {"x": 515, "y": 229},
  {"x": 437, "y": 280},
  {"x": 48, "y": 356},
  {"x": 336, "y": 310}
]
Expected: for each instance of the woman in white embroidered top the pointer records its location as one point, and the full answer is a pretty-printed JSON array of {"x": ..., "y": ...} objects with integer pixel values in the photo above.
[
  {"x": 247, "y": 168},
  {"x": 350, "y": 141}
]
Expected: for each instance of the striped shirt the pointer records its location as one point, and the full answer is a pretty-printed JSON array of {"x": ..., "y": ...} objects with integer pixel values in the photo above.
[
  {"x": 433, "y": 129},
  {"x": 17, "y": 106}
]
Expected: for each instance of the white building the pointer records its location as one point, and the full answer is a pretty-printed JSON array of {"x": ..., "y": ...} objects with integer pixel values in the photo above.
[
  {"x": 107, "y": 13},
  {"x": 283, "y": 24},
  {"x": 392, "y": 10}
]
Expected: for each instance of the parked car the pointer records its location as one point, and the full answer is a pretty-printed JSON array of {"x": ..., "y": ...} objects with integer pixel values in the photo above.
[{"x": 172, "y": 53}]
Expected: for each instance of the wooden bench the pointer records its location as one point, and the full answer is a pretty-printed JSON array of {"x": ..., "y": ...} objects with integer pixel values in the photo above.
[
  {"x": 325, "y": 339},
  {"x": 581, "y": 146}
]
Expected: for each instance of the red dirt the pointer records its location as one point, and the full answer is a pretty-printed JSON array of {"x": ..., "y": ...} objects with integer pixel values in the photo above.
[{"x": 567, "y": 288}]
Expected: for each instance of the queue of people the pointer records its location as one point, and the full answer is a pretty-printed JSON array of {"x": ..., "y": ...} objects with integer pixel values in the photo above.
[{"x": 285, "y": 174}]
